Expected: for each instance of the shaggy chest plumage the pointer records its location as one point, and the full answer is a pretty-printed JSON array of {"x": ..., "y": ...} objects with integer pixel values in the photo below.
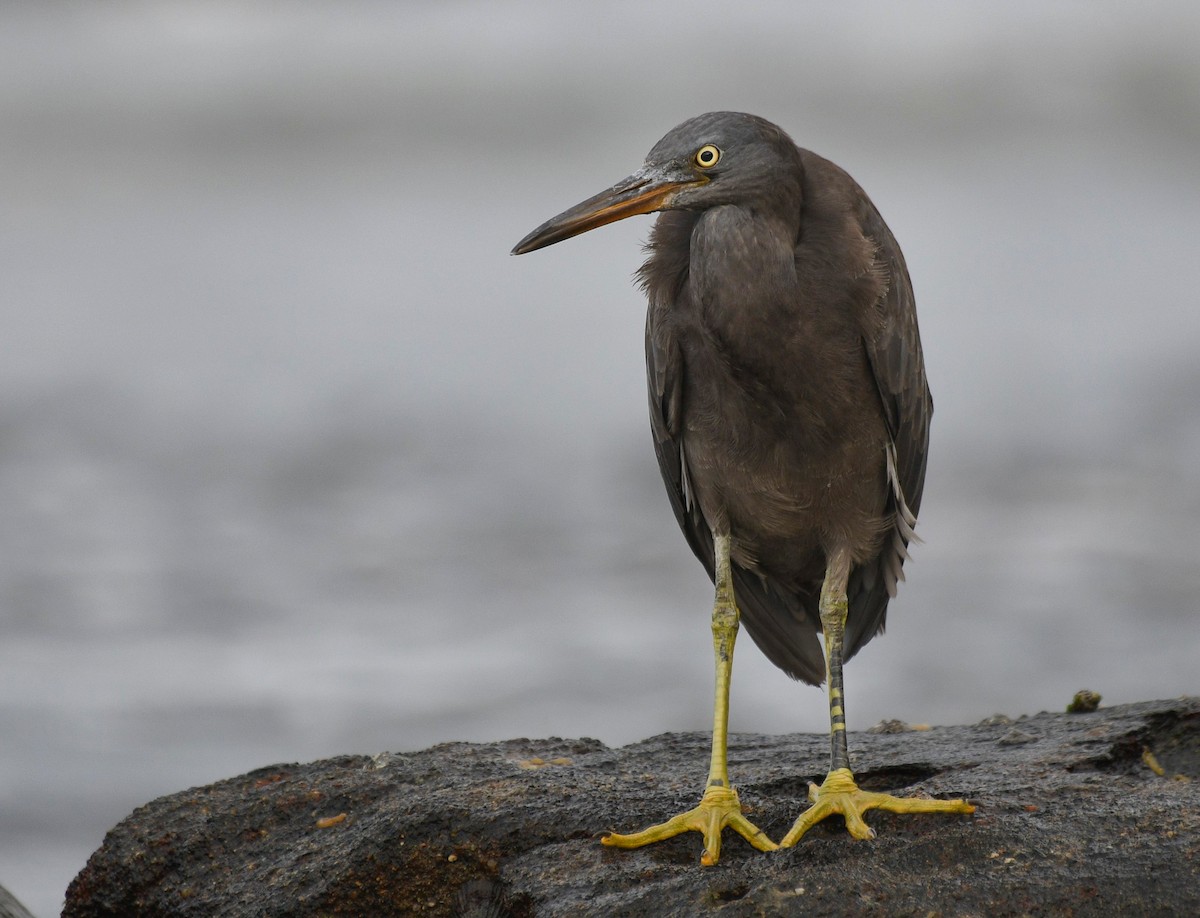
[{"x": 782, "y": 439}]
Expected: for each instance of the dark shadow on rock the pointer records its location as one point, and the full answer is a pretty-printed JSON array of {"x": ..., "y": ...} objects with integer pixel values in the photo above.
[{"x": 1072, "y": 820}]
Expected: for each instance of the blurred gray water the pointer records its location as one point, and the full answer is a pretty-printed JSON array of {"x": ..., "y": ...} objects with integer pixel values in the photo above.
[{"x": 295, "y": 460}]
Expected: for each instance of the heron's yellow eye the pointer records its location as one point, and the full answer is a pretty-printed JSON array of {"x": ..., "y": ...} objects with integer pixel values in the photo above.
[{"x": 707, "y": 156}]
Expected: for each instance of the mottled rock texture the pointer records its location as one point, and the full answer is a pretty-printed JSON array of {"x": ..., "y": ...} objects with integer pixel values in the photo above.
[{"x": 1073, "y": 819}]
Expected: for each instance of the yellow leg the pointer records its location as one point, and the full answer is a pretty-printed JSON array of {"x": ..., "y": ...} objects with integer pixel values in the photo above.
[
  {"x": 839, "y": 793},
  {"x": 719, "y": 807}
]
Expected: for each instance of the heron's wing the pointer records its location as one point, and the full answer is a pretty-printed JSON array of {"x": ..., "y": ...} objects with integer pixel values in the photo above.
[
  {"x": 665, "y": 384},
  {"x": 893, "y": 345},
  {"x": 776, "y": 619},
  {"x": 664, "y": 278}
]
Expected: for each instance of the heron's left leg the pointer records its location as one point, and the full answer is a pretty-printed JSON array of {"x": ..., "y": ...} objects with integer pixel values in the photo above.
[
  {"x": 839, "y": 793},
  {"x": 719, "y": 807}
]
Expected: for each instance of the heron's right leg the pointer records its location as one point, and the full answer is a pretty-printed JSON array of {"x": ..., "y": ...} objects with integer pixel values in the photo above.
[
  {"x": 719, "y": 807},
  {"x": 839, "y": 793}
]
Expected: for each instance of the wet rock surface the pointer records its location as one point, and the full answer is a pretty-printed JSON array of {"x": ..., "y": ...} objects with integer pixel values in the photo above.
[{"x": 1073, "y": 818}]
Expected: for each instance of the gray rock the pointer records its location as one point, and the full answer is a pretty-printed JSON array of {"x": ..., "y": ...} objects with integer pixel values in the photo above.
[{"x": 1072, "y": 823}]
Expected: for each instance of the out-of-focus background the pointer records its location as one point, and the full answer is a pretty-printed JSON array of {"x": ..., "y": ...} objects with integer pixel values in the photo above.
[{"x": 295, "y": 460}]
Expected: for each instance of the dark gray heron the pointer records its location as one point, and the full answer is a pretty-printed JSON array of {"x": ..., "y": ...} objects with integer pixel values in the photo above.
[{"x": 790, "y": 415}]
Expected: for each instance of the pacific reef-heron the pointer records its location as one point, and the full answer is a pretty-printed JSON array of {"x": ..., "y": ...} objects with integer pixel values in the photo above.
[{"x": 790, "y": 415}]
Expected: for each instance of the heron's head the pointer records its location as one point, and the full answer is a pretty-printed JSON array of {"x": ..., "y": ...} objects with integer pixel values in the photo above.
[{"x": 710, "y": 160}]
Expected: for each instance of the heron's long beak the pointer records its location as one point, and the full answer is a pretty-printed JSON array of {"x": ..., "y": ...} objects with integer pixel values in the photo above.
[{"x": 650, "y": 188}]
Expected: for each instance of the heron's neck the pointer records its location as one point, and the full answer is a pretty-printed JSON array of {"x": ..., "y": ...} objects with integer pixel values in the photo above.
[
  {"x": 761, "y": 321},
  {"x": 742, "y": 273}
]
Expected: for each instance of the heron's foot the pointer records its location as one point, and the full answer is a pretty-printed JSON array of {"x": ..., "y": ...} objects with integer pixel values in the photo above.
[
  {"x": 839, "y": 794},
  {"x": 718, "y": 808}
]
